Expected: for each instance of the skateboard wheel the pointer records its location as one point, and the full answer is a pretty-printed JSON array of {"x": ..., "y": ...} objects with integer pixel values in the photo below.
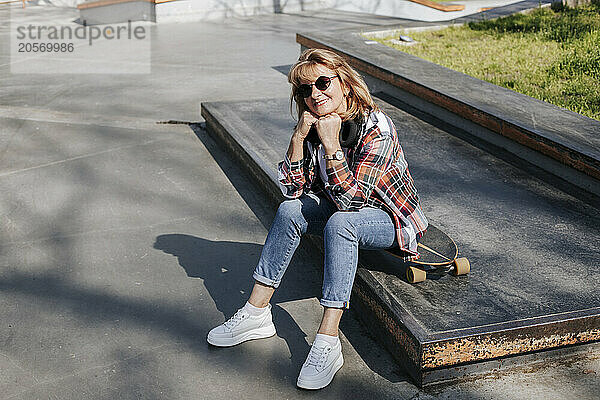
[
  {"x": 415, "y": 275},
  {"x": 461, "y": 266}
]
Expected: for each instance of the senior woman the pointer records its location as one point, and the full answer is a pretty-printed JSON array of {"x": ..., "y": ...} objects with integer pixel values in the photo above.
[{"x": 360, "y": 195}]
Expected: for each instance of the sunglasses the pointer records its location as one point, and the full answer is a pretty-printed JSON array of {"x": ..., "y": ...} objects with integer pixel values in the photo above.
[{"x": 322, "y": 83}]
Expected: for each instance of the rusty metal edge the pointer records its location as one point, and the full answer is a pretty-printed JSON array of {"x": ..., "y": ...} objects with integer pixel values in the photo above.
[
  {"x": 475, "y": 370},
  {"x": 510, "y": 338}
]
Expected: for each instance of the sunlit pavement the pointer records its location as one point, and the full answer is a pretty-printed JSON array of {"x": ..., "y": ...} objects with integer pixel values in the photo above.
[{"x": 124, "y": 241}]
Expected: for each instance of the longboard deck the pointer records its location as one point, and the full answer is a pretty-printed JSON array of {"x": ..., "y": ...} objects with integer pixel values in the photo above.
[{"x": 437, "y": 252}]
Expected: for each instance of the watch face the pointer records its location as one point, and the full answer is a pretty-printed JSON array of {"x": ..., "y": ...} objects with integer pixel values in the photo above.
[{"x": 339, "y": 155}]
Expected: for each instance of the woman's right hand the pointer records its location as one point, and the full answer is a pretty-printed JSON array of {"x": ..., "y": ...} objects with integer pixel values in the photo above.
[{"x": 306, "y": 122}]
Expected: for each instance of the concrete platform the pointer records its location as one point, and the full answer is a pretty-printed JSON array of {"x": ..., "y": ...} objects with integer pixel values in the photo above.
[
  {"x": 533, "y": 249},
  {"x": 94, "y": 307}
]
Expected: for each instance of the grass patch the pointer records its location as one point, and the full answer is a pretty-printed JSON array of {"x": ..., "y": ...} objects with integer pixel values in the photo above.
[{"x": 552, "y": 55}]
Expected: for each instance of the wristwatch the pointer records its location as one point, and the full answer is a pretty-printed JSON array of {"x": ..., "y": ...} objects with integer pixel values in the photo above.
[{"x": 338, "y": 155}]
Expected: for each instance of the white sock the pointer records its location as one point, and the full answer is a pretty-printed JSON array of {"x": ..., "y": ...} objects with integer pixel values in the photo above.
[
  {"x": 255, "y": 311},
  {"x": 332, "y": 340}
]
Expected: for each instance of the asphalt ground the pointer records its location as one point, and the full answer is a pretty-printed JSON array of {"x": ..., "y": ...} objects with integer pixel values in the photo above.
[{"x": 124, "y": 241}]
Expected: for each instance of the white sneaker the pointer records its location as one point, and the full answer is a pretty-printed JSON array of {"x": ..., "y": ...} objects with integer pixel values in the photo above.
[
  {"x": 242, "y": 327},
  {"x": 323, "y": 361}
]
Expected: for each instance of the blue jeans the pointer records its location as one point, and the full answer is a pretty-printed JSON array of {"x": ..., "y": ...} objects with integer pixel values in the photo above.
[{"x": 344, "y": 232}]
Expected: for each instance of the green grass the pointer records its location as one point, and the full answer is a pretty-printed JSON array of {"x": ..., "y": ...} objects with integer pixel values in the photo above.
[{"x": 552, "y": 55}]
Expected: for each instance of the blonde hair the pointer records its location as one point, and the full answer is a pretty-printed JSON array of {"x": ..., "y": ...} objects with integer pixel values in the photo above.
[{"x": 358, "y": 100}]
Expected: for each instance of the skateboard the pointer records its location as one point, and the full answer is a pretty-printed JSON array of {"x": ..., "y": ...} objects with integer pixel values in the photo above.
[{"x": 439, "y": 254}]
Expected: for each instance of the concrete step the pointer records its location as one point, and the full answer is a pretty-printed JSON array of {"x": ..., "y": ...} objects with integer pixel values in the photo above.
[{"x": 533, "y": 249}]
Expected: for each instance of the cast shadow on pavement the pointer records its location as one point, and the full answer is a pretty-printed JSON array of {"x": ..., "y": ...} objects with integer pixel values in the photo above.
[{"x": 226, "y": 270}]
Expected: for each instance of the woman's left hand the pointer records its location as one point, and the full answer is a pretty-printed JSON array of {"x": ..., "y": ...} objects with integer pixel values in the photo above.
[{"x": 328, "y": 128}]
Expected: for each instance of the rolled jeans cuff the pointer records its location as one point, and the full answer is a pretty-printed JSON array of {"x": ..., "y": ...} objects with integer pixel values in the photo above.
[
  {"x": 335, "y": 304},
  {"x": 266, "y": 281}
]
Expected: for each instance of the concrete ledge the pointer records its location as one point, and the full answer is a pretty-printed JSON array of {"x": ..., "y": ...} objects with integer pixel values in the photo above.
[
  {"x": 452, "y": 327},
  {"x": 114, "y": 11},
  {"x": 560, "y": 135}
]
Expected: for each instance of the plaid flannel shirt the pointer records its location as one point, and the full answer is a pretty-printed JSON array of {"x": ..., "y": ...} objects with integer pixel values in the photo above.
[{"x": 374, "y": 174}]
